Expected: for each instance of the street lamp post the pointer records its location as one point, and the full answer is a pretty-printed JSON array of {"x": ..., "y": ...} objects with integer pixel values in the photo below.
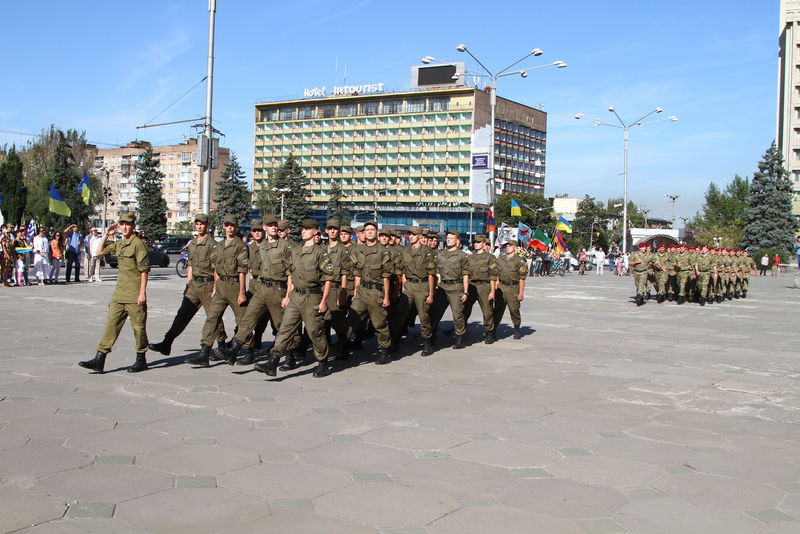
[
  {"x": 673, "y": 198},
  {"x": 283, "y": 193},
  {"x": 626, "y": 130},
  {"x": 493, "y": 77}
]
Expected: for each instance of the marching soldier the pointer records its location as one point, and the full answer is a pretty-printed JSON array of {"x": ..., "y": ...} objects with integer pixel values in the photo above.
[
  {"x": 511, "y": 273},
  {"x": 482, "y": 286},
  {"x": 129, "y": 298},
  {"x": 748, "y": 268},
  {"x": 230, "y": 259},
  {"x": 199, "y": 285},
  {"x": 418, "y": 274},
  {"x": 641, "y": 265},
  {"x": 683, "y": 269},
  {"x": 310, "y": 273},
  {"x": 336, "y": 316},
  {"x": 453, "y": 269},
  {"x": 661, "y": 266}
]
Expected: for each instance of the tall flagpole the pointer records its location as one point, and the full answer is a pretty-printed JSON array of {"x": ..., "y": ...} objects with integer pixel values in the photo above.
[{"x": 205, "y": 205}]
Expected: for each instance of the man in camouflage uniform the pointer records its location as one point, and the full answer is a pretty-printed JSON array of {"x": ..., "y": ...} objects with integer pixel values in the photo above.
[
  {"x": 130, "y": 296},
  {"x": 418, "y": 274},
  {"x": 662, "y": 264},
  {"x": 199, "y": 284},
  {"x": 372, "y": 266},
  {"x": 641, "y": 265},
  {"x": 482, "y": 286},
  {"x": 310, "y": 274},
  {"x": 683, "y": 269},
  {"x": 511, "y": 273},
  {"x": 230, "y": 260},
  {"x": 748, "y": 268},
  {"x": 453, "y": 268}
]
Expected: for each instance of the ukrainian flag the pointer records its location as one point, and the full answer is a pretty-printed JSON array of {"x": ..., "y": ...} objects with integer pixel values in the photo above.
[
  {"x": 85, "y": 189},
  {"x": 516, "y": 210},
  {"x": 563, "y": 224},
  {"x": 57, "y": 204}
]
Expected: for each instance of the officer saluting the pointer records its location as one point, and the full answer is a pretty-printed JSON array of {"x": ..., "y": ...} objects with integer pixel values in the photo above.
[{"x": 129, "y": 298}]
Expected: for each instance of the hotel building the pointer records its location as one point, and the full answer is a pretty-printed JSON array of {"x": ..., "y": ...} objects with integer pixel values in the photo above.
[
  {"x": 416, "y": 157},
  {"x": 789, "y": 94}
]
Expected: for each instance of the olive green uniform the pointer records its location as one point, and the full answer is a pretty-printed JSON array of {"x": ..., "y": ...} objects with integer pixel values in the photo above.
[
  {"x": 683, "y": 269},
  {"x": 641, "y": 271},
  {"x": 336, "y": 316},
  {"x": 662, "y": 264},
  {"x": 133, "y": 259},
  {"x": 417, "y": 264},
  {"x": 452, "y": 266},
  {"x": 372, "y": 264},
  {"x": 310, "y": 268},
  {"x": 269, "y": 265},
  {"x": 510, "y": 270},
  {"x": 229, "y": 259},
  {"x": 483, "y": 267}
]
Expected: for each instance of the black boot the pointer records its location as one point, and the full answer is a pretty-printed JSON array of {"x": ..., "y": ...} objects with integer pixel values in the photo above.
[
  {"x": 291, "y": 362},
  {"x": 201, "y": 360},
  {"x": 517, "y": 335},
  {"x": 736, "y": 294},
  {"x": 719, "y": 299},
  {"x": 427, "y": 348},
  {"x": 459, "y": 343},
  {"x": 249, "y": 358},
  {"x": 702, "y": 302},
  {"x": 140, "y": 364},
  {"x": 489, "y": 337},
  {"x": 730, "y": 296},
  {"x": 165, "y": 347},
  {"x": 229, "y": 354},
  {"x": 639, "y": 300},
  {"x": 341, "y": 350},
  {"x": 383, "y": 356},
  {"x": 95, "y": 364},
  {"x": 257, "y": 341},
  {"x": 681, "y": 300},
  {"x": 449, "y": 332},
  {"x": 219, "y": 354},
  {"x": 269, "y": 367},
  {"x": 659, "y": 298},
  {"x": 744, "y": 294},
  {"x": 671, "y": 297},
  {"x": 322, "y": 369}
]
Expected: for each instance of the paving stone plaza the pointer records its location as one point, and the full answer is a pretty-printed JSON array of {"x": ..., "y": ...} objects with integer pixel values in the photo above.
[{"x": 604, "y": 418}]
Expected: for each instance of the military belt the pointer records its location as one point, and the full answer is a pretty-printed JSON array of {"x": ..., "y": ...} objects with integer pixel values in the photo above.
[
  {"x": 367, "y": 285},
  {"x": 336, "y": 284},
  {"x": 203, "y": 279},
  {"x": 453, "y": 281},
  {"x": 479, "y": 281},
  {"x": 229, "y": 279},
  {"x": 308, "y": 291},
  {"x": 273, "y": 283},
  {"x": 509, "y": 283},
  {"x": 416, "y": 280}
]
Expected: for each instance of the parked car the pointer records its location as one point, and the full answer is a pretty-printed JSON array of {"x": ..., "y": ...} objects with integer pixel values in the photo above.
[
  {"x": 172, "y": 245},
  {"x": 157, "y": 258}
]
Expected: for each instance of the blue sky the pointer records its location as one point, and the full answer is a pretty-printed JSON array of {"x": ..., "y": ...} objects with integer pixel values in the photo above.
[{"x": 106, "y": 67}]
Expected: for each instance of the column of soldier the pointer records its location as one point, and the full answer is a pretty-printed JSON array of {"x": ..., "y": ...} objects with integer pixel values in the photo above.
[
  {"x": 683, "y": 273},
  {"x": 313, "y": 290}
]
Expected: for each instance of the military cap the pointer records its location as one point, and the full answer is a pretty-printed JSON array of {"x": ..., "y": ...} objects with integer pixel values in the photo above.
[
  {"x": 201, "y": 217},
  {"x": 257, "y": 226},
  {"x": 433, "y": 235},
  {"x": 385, "y": 231},
  {"x": 348, "y": 229},
  {"x": 333, "y": 222},
  {"x": 480, "y": 238},
  {"x": 270, "y": 219},
  {"x": 455, "y": 233},
  {"x": 230, "y": 219},
  {"x": 310, "y": 224},
  {"x": 512, "y": 242},
  {"x": 128, "y": 217},
  {"x": 416, "y": 230},
  {"x": 368, "y": 223},
  {"x": 283, "y": 225}
]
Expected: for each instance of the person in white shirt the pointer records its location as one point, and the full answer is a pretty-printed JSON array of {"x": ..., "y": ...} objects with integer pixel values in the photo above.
[
  {"x": 599, "y": 259},
  {"x": 94, "y": 255},
  {"x": 41, "y": 257}
]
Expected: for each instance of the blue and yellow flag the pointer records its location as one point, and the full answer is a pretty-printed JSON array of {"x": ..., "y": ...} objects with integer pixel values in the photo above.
[
  {"x": 57, "y": 204},
  {"x": 515, "y": 209},
  {"x": 85, "y": 189},
  {"x": 563, "y": 224}
]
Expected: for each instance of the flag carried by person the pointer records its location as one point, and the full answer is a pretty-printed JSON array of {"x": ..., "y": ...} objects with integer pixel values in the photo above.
[
  {"x": 524, "y": 233},
  {"x": 560, "y": 246},
  {"x": 30, "y": 231},
  {"x": 540, "y": 241},
  {"x": 490, "y": 224},
  {"x": 516, "y": 210},
  {"x": 505, "y": 233},
  {"x": 57, "y": 204},
  {"x": 85, "y": 189},
  {"x": 563, "y": 224}
]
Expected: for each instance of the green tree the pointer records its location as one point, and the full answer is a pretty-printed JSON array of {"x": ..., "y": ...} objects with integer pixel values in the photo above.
[
  {"x": 720, "y": 221},
  {"x": 233, "y": 196},
  {"x": 768, "y": 220},
  {"x": 336, "y": 206},
  {"x": 182, "y": 229},
  {"x": 537, "y": 211},
  {"x": 12, "y": 187},
  {"x": 635, "y": 216},
  {"x": 150, "y": 198},
  {"x": 590, "y": 226},
  {"x": 290, "y": 181}
]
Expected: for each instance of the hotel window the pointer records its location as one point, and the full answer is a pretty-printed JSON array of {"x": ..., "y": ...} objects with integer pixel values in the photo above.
[
  {"x": 287, "y": 114},
  {"x": 439, "y": 104},
  {"x": 370, "y": 108},
  {"x": 347, "y": 110},
  {"x": 415, "y": 105},
  {"x": 392, "y": 106},
  {"x": 269, "y": 115},
  {"x": 327, "y": 112},
  {"x": 308, "y": 112}
]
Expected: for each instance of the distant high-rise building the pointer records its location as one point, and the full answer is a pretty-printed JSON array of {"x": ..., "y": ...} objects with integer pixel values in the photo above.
[
  {"x": 789, "y": 94},
  {"x": 182, "y": 184}
]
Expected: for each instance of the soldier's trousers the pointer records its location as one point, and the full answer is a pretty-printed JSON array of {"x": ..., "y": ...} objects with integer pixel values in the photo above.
[
  {"x": 367, "y": 304},
  {"x": 479, "y": 292},
  {"x": 415, "y": 294},
  {"x": 118, "y": 312},
  {"x": 746, "y": 282},
  {"x": 506, "y": 297},
  {"x": 640, "y": 281},
  {"x": 682, "y": 280},
  {"x": 336, "y": 316},
  {"x": 704, "y": 284},
  {"x": 195, "y": 295},
  {"x": 303, "y": 309},
  {"x": 227, "y": 294},
  {"x": 661, "y": 282},
  {"x": 265, "y": 301},
  {"x": 672, "y": 284},
  {"x": 451, "y": 294}
]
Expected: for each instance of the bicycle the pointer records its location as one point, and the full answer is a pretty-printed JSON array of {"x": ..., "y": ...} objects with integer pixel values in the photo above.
[
  {"x": 182, "y": 264},
  {"x": 582, "y": 268}
]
